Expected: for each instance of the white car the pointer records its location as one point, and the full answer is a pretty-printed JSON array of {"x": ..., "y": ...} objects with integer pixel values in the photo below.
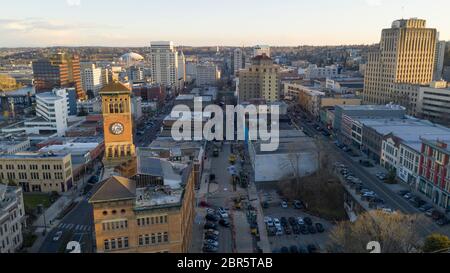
[
  {"x": 284, "y": 205},
  {"x": 223, "y": 214},
  {"x": 267, "y": 219},
  {"x": 279, "y": 231},
  {"x": 210, "y": 211},
  {"x": 300, "y": 221},
  {"x": 57, "y": 236},
  {"x": 277, "y": 222}
]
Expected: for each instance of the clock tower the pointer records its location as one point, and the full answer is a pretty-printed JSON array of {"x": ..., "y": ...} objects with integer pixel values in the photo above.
[{"x": 117, "y": 124}]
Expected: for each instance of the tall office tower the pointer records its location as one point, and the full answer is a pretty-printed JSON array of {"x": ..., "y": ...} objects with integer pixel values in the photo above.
[
  {"x": 164, "y": 59},
  {"x": 181, "y": 66},
  {"x": 207, "y": 74},
  {"x": 53, "y": 108},
  {"x": 439, "y": 60},
  {"x": 406, "y": 55},
  {"x": 91, "y": 78},
  {"x": 261, "y": 49},
  {"x": 260, "y": 80},
  {"x": 238, "y": 60},
  {"x": 59, "y": 70}
]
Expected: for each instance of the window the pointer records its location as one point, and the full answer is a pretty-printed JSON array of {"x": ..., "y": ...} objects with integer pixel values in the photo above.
[
  {"x": 106, "y": 244},
  {"x": 113, "y": 244}
]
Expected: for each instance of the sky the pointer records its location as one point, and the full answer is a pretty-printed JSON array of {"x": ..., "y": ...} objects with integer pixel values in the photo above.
[{"x": 25, "y": 23}]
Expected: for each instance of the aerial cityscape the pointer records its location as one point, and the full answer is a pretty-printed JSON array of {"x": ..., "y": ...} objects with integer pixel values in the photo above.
[{"x": 204, "y": 138}]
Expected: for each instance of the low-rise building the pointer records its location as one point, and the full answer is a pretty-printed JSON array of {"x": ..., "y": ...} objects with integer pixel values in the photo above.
[
  {"x": 297, "y": 154},
  {"x": 434, "y": 175},
  {"x": 14, "y": 146},
  {"x": 12, "y": 218},
  {"x": 38, "y": 172}
]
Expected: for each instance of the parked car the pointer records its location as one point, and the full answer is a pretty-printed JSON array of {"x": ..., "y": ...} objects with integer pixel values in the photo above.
[
  {"x": 312, "y": 248},
  {"x": 403, "y": 192},
  {"x": 300, "y": 221},
  {"x": 211, "y": 237},
  {"x": 296, "y": 229},
  {"x": 212, "y": 232},
  {"x": 211, "y": 243},
  {"x": 204, "y": 204},
  {"x": 312, "y": 229},
  {"x": 210, "y": 249},
  {"x": 436, "y": 215},
  {"x": 212, "y": 217},
  {"x": 443, "y": 221},
  {"x": 293, "y": 249},
  {"x": 320, "y": 228},
  {"x": 265, "y": 205},
  {"x": 224, "y": 223},
  {"x": 279, "y": 231},
  {"x": 223, "y": 214},
  {"x": 429, "y": 213},
  {"x": 277, "y": 222},
  {"x": 284, "y": 221},
  {"x": 425, "y": 207},
  {"x": 210, "y": 211},
  {"x": 298, "y": 204},
  {"x": 304, "y": 229},
  {"x": 284, "y": 205},
  {"x": 408, "y": 196},
  {"x": 292, "y": 221},
  {"x": 287, "y": 230},
  {"x": 302, "y": 250},
  {"x": 308, "y": 221},
  {"x": 209, "y": 225},
  {"x": 284, "y": 250},
  {"x": 267, "y": 219}
]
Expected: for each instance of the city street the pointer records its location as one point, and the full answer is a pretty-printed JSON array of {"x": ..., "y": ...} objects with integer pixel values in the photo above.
[{"x": 370, "y": 180}]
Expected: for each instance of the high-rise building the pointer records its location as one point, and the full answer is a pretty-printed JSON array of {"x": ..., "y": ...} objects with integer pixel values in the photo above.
[
  {"x": 58, "y": 71},
  {"x": 439, "y": 61},
  {"x": 207, "y": 74},
  {"x": 164, "y": 63},
  {"x": 260, "y": 80},
  {"x": 406, "y": 55},
  {"x": 53, "y": 109},
  {"x": 135, "y": 74},
  {"x": 117, "y": 123},
  {"x": 91, "y": 78},
  {"x": 181, "y": 66},
  {"x": 238, "y": 60},
  {"x": 260, "y": 50}
]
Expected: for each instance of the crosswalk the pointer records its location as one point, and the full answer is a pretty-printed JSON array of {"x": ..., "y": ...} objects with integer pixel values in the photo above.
[{"x": 75, "y": 227}]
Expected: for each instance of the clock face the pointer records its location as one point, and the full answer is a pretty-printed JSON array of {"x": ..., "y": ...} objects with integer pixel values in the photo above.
[{"x": 117, "y": 128}]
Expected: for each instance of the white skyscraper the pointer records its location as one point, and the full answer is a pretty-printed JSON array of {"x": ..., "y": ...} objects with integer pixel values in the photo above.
[
  {"x": 91, "y": 78},
  {"x": 238, "y": 60},
  {"x": 164, "y": 60},
  {"x": 52, "y": 107}
]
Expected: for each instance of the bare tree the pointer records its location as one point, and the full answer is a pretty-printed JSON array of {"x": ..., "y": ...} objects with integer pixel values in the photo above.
[{"x": 396, "y": 233}]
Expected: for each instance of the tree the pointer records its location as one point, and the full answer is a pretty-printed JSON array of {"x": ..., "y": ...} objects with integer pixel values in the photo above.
[
  {"x": 436, "y": 243},
  {"x": 396, "y": 233}
]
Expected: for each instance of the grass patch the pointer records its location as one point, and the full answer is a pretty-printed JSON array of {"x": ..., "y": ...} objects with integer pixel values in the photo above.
[
  {"x": 322, "y": 192},
  {"x": 31, "y": 201},
  {"x": 29, "y": 239}
]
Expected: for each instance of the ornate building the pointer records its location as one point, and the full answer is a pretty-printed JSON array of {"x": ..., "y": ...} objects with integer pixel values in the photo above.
[{"x": 117, "y": 124}]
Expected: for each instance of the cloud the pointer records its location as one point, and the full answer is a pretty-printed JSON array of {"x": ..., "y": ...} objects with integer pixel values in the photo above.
[
  {"x": 35, "y": 24},
  {"x": 73, "y": 3}
]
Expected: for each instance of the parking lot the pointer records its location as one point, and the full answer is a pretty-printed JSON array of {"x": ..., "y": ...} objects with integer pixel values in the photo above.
[{"x": 299, "y": 240}]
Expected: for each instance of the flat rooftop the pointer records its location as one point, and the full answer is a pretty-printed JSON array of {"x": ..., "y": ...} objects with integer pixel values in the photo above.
[
  {"x": 371, "y": 107},
  {"x": 29, "y": 155},
  {"x": 410, "y": 130}
]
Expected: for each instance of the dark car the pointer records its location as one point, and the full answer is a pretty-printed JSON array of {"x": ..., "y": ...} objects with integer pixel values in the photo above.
[
  {"x": 284, "y": 221},
  {"x": 443, "y": 221},
  {"x": 403, "y": 192},
  {"x": 292, "y": 221},
  {"x": 304, "y": 229},
  {"x": 265, "y": 205},
  {"x": 298, "y": 204},
  {"x": 312, "y": 248},
  {"x": 320, "y": 228},
  {"x": 210, "y": 226},
  {"x": 312, "y": 229},
  {"x": 284, "y": 250},
  {"x": 302, "y": 250},
  {"x": 224, "y": 223},
  {"x": 287, "y": 230},
  {"x": 211, "y": 237},
  {"x": 308, "y": 221},
  {"x": 210, "y": 249},
  {"x": 295, "y": 229},
  {"x": 212, "y": 217},
  {"x": 293, "y": 249}
]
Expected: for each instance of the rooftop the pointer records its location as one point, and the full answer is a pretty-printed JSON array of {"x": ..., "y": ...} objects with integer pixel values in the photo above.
[
  {"x": 409, "y": 130},
  {"x": 115, "y": 87},
  {"x": 33, "y": 155},
  {"x": 371, "y": 107}
]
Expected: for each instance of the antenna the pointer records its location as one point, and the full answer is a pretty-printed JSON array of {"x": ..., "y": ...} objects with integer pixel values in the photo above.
[{"x": 403, "y": 12}]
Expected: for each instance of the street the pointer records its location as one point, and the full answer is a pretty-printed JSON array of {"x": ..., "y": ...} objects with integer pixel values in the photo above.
[{"x": 391, "y": 198}]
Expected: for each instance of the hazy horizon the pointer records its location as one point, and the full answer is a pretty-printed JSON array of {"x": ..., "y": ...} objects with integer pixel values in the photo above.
[{"x": 78, "y": 23}]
